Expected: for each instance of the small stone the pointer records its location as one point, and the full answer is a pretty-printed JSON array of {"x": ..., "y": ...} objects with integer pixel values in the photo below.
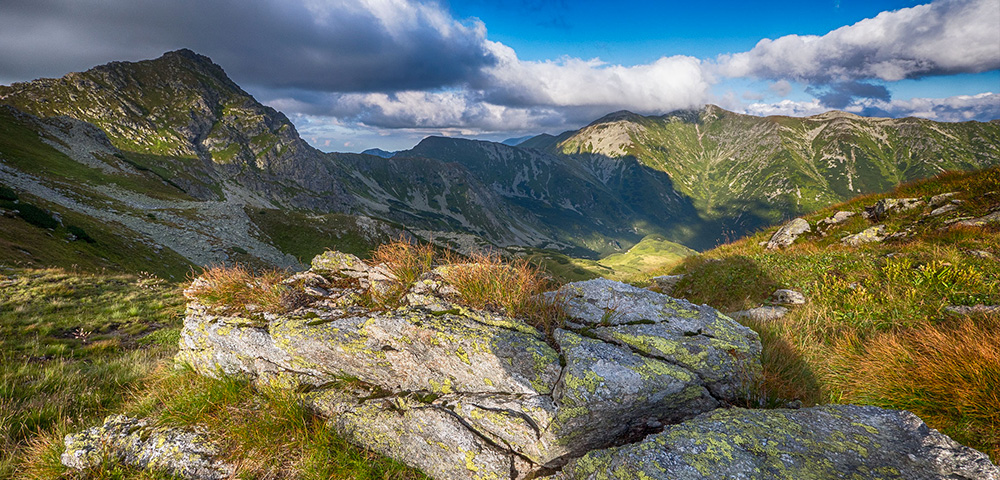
[
  {"x": 785, "y": 296},
  {"x": 972, "y": 309},
  {"x": 869, "y": 235},
  {"x": 951, "y": 207},
  {"x": 665, "y": 284},
  {"x": 993, "y": 217},
  {"x": 837, "y": 218},
  {"x": 938, "y": 200},
  {"x": 760, "y": 314},
  {"x": 316, "y": 291},
  {"x": 980, "y": 254},
  {"x": 884, "y": 207},
  {"x": 788, "y": 233}
]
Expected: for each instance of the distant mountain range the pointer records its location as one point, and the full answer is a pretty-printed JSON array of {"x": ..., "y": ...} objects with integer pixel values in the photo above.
[{"x": 694, "y": 177}]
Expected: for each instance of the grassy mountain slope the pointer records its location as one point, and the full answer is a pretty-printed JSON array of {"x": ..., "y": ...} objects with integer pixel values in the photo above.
[
  {"x": 746, "y": 172},
  {"x": 877, "y": 328}
]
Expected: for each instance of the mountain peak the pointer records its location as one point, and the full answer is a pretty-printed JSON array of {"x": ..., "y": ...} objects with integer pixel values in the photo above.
[{"x": 619, "y": 116}]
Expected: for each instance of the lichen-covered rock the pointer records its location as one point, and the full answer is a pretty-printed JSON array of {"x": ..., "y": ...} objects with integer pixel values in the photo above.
[
  {"x": 941, "y": 199},
  {"x": 828, "y": 442},
  {"x": 180, "y": 452},
  {"x": 787, "y": 234},
  {"x": 464, "y": 393},
  {"x": 869, "y": 235}
]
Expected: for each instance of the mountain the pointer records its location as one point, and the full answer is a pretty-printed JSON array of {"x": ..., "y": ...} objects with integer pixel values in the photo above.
[
  {"x": 173, "y": 154},
  {"x": 516, "y": 140},
  {"x": 378, "y": 152},
  {"x": 747, "y": 172}
]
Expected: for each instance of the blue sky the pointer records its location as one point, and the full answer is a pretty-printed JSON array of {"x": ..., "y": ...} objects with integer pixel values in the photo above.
[{"x": 356, "y": 74}]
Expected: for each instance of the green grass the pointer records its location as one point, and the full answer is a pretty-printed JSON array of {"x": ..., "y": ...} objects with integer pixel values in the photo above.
[
  {"x": 26, "y": 245},
  {"x": 76, "y": 347},
  {"x": 875, "y": 329},
  {"x": 23, "y": 148},
  {"x": 652, "y": 253},
  {"x": 304, "y": 236},
  {"x": 71, "y": 346}
]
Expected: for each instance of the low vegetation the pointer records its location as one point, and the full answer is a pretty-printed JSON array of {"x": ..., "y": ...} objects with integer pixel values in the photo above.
[
  {"x": 70, "y": 343},
  {"x": 876, "y": 329},
  {"x": 236, "y": 289}
]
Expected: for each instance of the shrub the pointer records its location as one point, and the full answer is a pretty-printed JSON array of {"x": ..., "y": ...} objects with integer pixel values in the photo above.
[
  {"x": 236, "y": 289},
  {"x": 7, "y": 194},
  {"x": 36, "y": 216},
  {"x": 80, "y": 234}
]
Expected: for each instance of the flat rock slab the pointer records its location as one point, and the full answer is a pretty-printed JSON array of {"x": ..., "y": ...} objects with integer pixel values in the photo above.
[
  {"x": 761, "y": 314},
  {"x": 181, "y": 452},
  {"x": 827, "y": 442}
]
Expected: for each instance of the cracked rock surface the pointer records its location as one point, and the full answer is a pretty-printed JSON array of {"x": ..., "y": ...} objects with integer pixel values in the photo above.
[
  {"x": 463, "y": 393},
  {"x": 181, "y": 452},
  {"x": 831, "y": 441}
]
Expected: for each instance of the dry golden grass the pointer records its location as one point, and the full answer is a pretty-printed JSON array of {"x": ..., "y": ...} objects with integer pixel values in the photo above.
[
  {"x": 513, "y": 288},
  {"x": 949, "y": 375},
  {"x": 406, "y": 260},
  {"x": 237, "y": 289}
]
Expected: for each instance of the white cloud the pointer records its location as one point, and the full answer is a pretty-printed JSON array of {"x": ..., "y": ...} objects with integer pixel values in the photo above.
[
  {"x": 960, "y": 108},
  {"x": 940, "y": 38}
]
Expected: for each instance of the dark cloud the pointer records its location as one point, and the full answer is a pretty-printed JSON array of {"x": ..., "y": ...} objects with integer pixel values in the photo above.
[
  {"x": 333, "y": 46},
  {"x": 841, "y": 94}
]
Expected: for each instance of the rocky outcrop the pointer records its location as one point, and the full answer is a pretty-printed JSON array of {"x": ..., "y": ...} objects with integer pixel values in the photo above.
[
  {"x": 184, "y": 453},
  {"x": 464, "y": 393},
  {"x": 832, "y": 441},
  {"x": 787, "y": 234}
]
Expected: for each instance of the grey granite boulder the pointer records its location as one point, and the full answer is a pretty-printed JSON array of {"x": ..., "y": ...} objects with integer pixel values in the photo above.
[
  {"x": 463, "y": 393},
  {"x": 180, "y": 452},
  {"x": 827, "y": 442},
  {"x": 787, "y": 234},
  {"x": 761, "y": 314}
]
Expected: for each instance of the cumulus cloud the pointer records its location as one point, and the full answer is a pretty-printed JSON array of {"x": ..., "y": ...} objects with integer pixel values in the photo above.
[
  {"x": 940, "y": 38},
  {"x": 841, "y": 94},
  {"x": 328, "y": 45}
]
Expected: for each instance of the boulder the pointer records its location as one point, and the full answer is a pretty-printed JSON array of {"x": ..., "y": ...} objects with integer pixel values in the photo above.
[
  {"x": 831, "y": 441},
  {"x": 787, "y": 234},
  {"x": 869, "y": 235},
  {"x": 972, "y": 309},
  {"x": 180, "y": 452},
  {"x": 785, "y": 296},
  {"x": 463, "y": 393}
]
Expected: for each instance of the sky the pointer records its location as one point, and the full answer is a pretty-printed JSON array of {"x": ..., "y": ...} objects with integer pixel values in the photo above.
[{"x": 359, "y": 74}]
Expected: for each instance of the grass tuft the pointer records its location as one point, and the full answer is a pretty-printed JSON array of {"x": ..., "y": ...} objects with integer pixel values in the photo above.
[
  {"x": 236, "y": 289},
  {"x": 513, "y": 288}
]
